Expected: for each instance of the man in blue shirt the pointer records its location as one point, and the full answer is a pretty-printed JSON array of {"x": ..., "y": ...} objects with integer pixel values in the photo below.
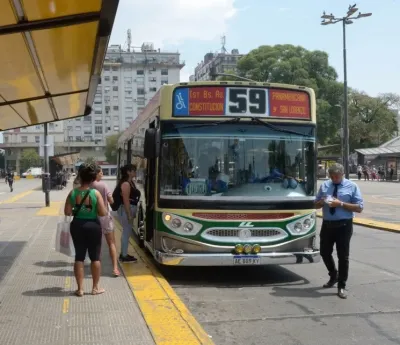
[{"x": 339, "y": 198}]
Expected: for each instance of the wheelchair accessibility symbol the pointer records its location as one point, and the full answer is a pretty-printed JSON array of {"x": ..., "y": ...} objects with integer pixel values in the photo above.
[{"x": 180, "y": 104}]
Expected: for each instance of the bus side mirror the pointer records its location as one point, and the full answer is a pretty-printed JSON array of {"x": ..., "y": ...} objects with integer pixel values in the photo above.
[{"x": 152, "y": 143}]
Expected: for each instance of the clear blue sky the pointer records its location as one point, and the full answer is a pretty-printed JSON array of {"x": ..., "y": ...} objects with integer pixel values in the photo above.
[{"x": 195, "y": 28}]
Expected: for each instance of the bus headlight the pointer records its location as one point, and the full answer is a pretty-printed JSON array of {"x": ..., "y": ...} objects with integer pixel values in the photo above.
[
  {"x": 301, "y": 226},
  {"x": 181, "y": 225},
  {"x": 188, "y": 227},
  {"x": 176, "y": 223}
]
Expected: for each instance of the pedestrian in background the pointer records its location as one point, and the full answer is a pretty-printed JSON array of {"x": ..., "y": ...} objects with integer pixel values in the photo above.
[
  {"x": 339, "y": 198},
  {"x": 106, "y": 222}
]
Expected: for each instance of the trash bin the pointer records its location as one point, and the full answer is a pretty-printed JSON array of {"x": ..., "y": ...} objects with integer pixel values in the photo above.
[{"x": 46, "y": 183}]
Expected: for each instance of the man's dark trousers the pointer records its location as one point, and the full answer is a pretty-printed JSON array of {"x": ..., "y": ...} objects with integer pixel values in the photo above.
[{"x": 337, "y": 232}]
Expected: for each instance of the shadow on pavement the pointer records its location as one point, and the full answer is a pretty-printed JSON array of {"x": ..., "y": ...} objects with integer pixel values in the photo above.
[
  {"x": 232, "y": 276},
  {"x": 53, "y": 264},
  {"x": 9, "y": 252},
  {"x": 310, "y": 292},
  {"x": 48, "y": 292}
]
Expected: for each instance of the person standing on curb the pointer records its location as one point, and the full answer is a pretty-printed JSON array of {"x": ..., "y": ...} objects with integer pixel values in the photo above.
[
  {"x": 339, "y": 198},
  {"x": 106, "y": 222}
]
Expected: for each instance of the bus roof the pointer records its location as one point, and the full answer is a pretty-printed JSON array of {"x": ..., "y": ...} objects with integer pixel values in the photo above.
[
  {"x": 165, "y": 96},
  {"x": 51, "y": 58}
]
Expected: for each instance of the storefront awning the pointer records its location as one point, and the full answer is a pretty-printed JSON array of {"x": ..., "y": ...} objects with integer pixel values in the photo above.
[
  {"x": 51, "y": 58},
  {"x": 66, "y": 158}
]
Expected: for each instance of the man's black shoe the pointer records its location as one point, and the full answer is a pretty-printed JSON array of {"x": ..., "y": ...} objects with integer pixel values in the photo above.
[
  {"x": 330, "y": 283},
  {"x": 342, "y": 294}
]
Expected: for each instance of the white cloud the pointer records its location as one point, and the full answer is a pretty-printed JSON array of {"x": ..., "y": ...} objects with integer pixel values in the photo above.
[{"x": 165, "y": 22}]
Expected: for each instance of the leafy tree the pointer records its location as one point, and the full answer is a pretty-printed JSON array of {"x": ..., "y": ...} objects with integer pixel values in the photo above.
[
  {"x": 372, "y": 120},
  {"x": 30, "y": 158},
  {"x": 111, "y": 148}
]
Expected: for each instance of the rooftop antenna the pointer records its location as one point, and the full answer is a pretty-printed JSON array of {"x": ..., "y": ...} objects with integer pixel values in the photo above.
[
  {"x": 129, "y": 39},
  {"x": 223, "y": 42}
]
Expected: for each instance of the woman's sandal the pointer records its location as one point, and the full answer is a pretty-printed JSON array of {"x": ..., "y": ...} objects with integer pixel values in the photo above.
[
  {"x": 98, "y": 291},
  {"x": 116, "y": 273},
  {"x": 79, "y": 293}
]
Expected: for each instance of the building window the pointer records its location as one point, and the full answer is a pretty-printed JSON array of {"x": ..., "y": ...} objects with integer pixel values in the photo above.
[
  {"x": 140, "y": 102},
  {"x": 38, "y": 127},
  {"x": 116, "y": 118},
  {"x": 89, "y": 118},
  {"x": 98, "y": 112},
  {"x": 70, "y": 139},
  {"x": 140, "y": 72},
  {"x": 69, "y": 128},
  {"x": 115, "y": 78},
  {"x": 115, "y": 88},
  {"x": 153, "y": 89},
  {"x": 116, "y": 128},
  {"x": 164, "y": 71},
  {"x": 106, "y": 68},
  {"x": 128, "y": 99},
  {"x": 129, "y": 119},
  {"x": 37, "y": 139},
  {"x": 107, "y": 89},
  {"x": 164, "y": 82},
  {"x": 87, "y": 130},
  {"x": 107, "y": 78},
  {"x": 140, "y": 91},
  {"x": 87, "y": 138},
  {"x": 128, "y": 109},
  {"x": 51, "y": 126},
  {"x": 78, "y": 128},
  {"x": 115, "y": 98},
  {"x": 98, "y": 130},
  {"x": 78, "y": 138},
  {"x": 139, "y": 109},
  {"x": 98, "y": 122},
  {"x": 115, "y": 107},
  {"x": 114, "y": 68},
  {"x": 128, "y": 80}
]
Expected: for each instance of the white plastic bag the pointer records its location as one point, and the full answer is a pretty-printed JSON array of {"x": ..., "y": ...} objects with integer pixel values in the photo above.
[{"x": 64, "y": 244}]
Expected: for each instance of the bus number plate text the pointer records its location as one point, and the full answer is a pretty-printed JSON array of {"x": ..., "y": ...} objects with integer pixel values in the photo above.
[{"x": 246, "y": 260}]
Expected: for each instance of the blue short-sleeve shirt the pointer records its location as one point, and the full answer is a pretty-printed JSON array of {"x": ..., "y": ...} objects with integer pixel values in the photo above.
[{"x": 347, "y": 192}]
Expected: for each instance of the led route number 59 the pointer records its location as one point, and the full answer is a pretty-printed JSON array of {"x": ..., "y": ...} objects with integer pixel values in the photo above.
[{"x": 247, "y": 101}]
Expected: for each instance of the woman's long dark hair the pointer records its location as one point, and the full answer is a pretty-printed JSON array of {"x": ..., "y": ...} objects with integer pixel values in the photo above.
[{"x": 125, "y": 174}]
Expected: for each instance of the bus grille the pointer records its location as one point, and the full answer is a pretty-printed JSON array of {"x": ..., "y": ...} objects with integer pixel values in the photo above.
[
  {"x": 260, "y": 235},
  {"x": 235, "y": 232}
]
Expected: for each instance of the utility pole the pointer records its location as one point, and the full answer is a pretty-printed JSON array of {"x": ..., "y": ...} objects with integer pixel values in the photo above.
[
  {"x": 46, "y": 165},
  {"x": 346, "y": 20}
]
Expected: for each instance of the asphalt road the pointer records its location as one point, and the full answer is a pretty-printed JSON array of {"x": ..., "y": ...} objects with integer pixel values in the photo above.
[{"x": 287, "y": 306}]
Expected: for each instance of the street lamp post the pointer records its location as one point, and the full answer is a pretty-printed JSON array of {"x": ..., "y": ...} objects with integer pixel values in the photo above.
[{"x": 346, "y": 20}]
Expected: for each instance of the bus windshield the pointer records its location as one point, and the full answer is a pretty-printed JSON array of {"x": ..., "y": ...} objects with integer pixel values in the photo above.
[{"x": 237, "y": 160}]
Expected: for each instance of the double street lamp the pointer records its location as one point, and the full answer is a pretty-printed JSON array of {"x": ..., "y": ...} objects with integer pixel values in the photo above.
[{"x": 346, "y": 20}]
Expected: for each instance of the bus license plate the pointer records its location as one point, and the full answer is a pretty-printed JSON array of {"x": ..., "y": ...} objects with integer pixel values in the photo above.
[{"x": 246, "y": 260}]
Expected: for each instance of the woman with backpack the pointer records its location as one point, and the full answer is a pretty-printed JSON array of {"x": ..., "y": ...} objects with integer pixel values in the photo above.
[
  {"x": 126, "y": 196},
  {"x": 86, "y": 204}
]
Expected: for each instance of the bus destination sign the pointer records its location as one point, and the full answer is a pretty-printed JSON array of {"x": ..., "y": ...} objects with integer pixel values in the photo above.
[{"x": 241, "y": 101}]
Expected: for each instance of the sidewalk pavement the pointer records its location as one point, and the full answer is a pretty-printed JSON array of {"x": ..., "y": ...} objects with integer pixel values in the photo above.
[{"x": 37, "y": 304}]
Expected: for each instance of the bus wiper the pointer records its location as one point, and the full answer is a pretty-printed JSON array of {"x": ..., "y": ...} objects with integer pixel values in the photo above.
[
  {"x": 208, "y": 124},
  {"x": 278, "y": 129}
]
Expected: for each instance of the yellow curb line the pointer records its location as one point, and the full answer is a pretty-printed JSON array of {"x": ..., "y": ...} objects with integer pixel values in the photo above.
[
  {"x": 167, "y": 317},
  {"x": 373, "y": 224},
  {"x": 17, "y": 197}
]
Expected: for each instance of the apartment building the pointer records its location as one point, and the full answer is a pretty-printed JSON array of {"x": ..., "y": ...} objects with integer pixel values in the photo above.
[
  {"x": 130, "y": 78},
  {"x": 217, "y": 63}
]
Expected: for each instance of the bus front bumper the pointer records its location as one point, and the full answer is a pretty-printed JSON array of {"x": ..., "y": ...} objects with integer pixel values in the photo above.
[{"x": 214, "y": 259}]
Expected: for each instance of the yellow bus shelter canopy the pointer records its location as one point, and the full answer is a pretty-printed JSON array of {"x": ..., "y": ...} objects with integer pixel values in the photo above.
[{"x": 52, "y": 53}]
